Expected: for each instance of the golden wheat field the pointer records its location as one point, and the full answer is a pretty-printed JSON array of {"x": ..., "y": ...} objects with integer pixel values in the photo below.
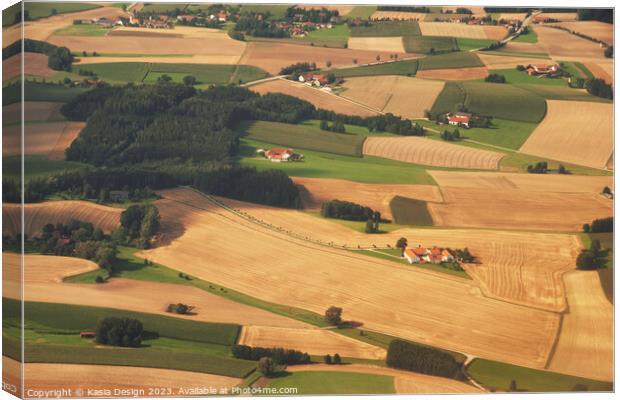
[
  {"x": 453, "y": 30},
  {"x": 404, "y": 382},
  {"x": 506, "y": 61},
  {"x": 399, "y": 95},
  {"x": 575, "y": 132},
  {"x": 37, "y": 215},
  {"x": 377, "y": 293},
  {"x": 560, "y": 16},
  {"x": 586, "y": 342},
  {"x": 596, "y": 29},
  {"x": 315, "y": 191},
  {"x": 562, "y": 45},
  {"x": 394, "y": 44},
  {"x": 317, "y": 97},
  {"x": 312, "y": 341},
  {"x": 431, "y": 152}
]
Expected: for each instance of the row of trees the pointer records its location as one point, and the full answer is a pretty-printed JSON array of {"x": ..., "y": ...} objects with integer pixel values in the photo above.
[
  {"x": 600, "y": 225},
  {"x": 348, "y": 210},
  {"x": 495, "y": 78},
  {"x": 139, "y": 223},
  {"x": 592, "y": 258},
  {"x": 58, "y": 58},
  {"x": 122, "y": 332},
  {"x": 337, "y": 126},
  {"x": 426, "y": 360},
  {"x": 279, "y": 355},
  {"x": 453, "y": 136}
]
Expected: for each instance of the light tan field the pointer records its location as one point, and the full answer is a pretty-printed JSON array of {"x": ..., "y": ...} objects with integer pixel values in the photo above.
[
  {"x": 453, "y": 29},
  {"x": 518, "y": 209},
  {"x": 381, "y": 294},
  {"x": 512, "y": 16},
  {"x": 33, "y": 111},
  {"x": 212, "y": 45},
  {"x": 399, "y": 95},
  {"x": 316, "y": 191},
  {"x": 37, "y": 215},
  {"x": 586, "y": 343},
  {"x": 341, "y": 8},
  {"x": 273, "y": 56},
  {"x": 506, "y": 271},
  {"x": 431, "y": 152},
  {"x": 312, "y": 341},
  {"x": 404, "y": 382},
  {"x": 43, "y": 282},
  {"x": 41, "y": 376},
  {"x": 576, "y": 132},
  {"x": 505, "y": 62},
  {"x": 460, "y": 74},
  {"x": 560, "y": 16},
  {"x": 393, "y": 43},
  {"x": 562, "y": 45},
  {"x": 529, "y": 182},
  {"x": 495, "y": 32},
  {"x": 524, "y": 47},
  {"x": 596, "y": 29},
  {"x": 34, "y": 64},
  {"x": 50, "y": 139},
  {"x": 602, "y": 70},
  {"x": 317, "y": 97},
  {"x": 398, "y": 15}
]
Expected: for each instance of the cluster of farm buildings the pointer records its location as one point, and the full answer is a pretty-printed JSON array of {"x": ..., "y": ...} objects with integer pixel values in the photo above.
[
  {"x": 423, "y": 255},
  {"x": 280, "y": 155},
  {"x": 542, "y": 70}
]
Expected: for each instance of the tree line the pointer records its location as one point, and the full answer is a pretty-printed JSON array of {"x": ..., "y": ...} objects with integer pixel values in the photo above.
[
  {"x": 426, "y": 360},
  {"x": 122, "y": 332},
  {"x": 347, "y": 210},
  {"x": 279, "y": 355},
  {"x": 600, "y": 225},
  {"x": 58, "y": 58}
]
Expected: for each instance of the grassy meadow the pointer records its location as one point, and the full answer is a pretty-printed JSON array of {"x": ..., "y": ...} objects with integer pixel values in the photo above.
[
  {"x": 451, "y": 60},
  {"x": 405, "y": 67},
  {"x": 387, "y": 28},
  {"x": 334, "y": 383},
  {"x": 429, "y": 44},
  {"x": 37, "y": 166}
]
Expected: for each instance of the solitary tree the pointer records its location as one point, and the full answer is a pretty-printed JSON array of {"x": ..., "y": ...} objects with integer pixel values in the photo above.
[
  {"x": 355, "y": 61},
  {"x": 378, "y": 58},
  {"x": 328, "y": 63},
  {"x": 333, "y": 315},
  {"x": 327, "y": 359},
  {"x": 401, "y": 243},
  {"x": 266, "y": 366},
  {"x": 336, "y": 359}
]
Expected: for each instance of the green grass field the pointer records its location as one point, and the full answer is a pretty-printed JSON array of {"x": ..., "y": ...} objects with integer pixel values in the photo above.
[
  {"x": 334, "y": 383},
  {"x": 502, "y": 132},
  {"x": 521, "y": 77},
  {"x": 497, "y": 376},
  {"x": 305, "y": 137},
  {"x": 163, "y": 7},
  {"x": 451, "y": 60},
  {"x": 467, "y": 44},
  {"x": 529, "y": 37},
  {"x": 121, "y": 72},
  {"x": 82, "y": 30},
  {"x": 429, "y": 44},
  {"x": 325, "y": 165},
  {"x": 561, "y": 93},
  {"x": 511, "y": 102},
  {"x": 37, "y": 91},
  {"x": 363, "y": 12},
  {"x": 335, "y": 37},
  {"x": 387, "y": 28},
  {"x": 277, "y": 11},
  {"x": 408, "y": 211},
  {"x": 46, "y": 9},
  {"x": 37, "y": 166},
  {"x": 405, "y": 67},
  {"x": 356, "y": 129}
]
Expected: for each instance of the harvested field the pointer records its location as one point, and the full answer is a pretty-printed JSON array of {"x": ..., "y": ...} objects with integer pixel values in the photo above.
[
  {"x": 512, "y": 16},
  {"x": 398, "y": 16},
  {"x": 453, "y": 30},
  {"x": 34, "y": 64},
  {"x": 399, "y": 95},
  {"x": 216, "y": 45},
  {"x": 596, "y": 29},
  {"x": 404, "y": 382},
  {"x": 50, "y": 139},
  {"x": 562, "y": 45},
  {"x": 43, "y": 283},
  {"x": 382, "y": 294},
  {"x": 495, "y": 32},
  {"x": 392, "y": 43},
  {"x": 272, "y": 57},
  {"x": 530, "y": 182},
  {"x": 319, "y": 98},
  {"x": 505, "y": 62},
  {"x": 33, "y": 111},
  {"x": 461, "y": 74},
  {"x": 316, "y": 191},
  {"x": 560, "y": 16},
  {"x": 311, "y": 341},
  {"x": 602, "y": 70},
  {"x": 586, "y": 343},
  {"x": 518, "y": 209},
  {"x": 576, "y": 132},
  {"x": 435, "y": 153},
  {"x": 41, "y": 376},
  {"x": 525, "y": 48},
  {"x": 36, "y": 215},
  {"x": 342, "y": 9}
]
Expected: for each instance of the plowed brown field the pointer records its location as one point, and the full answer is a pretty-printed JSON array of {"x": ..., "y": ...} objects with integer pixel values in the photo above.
[
  {"x": 33, "y": 111},
  {"x": 404, "y": 382},
  {"x": 586, "y": 343},
  {"x": 34, "y": 64},
  {"x": 399, "y": 95},
  {"x": 40, "y": 376},
  {"x": 393, "y": 43},
  {"x": 312, "y": 341},
  {"x": 384, "y": 296},
  {"x": 596, "y": 29},
  {"x": 316, "y": 191},
  {"x": 38, "y": 215},
  {"x": 43, "y": 282},
  {"x": 50, "y": 139},
  {"x": 603, "y": 70},
  {"x": 576, "y": 132},
  {"x": 431, "y": 152},
  {"x": 272, "y": 56},
  {"x": 460, "y": 74},
  {"x": 319, "y": 98}
]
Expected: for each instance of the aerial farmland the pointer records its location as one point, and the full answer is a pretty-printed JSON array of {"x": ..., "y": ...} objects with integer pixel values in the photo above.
[{"x": 302, "y": 199}]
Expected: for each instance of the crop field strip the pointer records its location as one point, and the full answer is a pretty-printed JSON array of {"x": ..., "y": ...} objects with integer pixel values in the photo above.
[{"x": 451, "y": 60}]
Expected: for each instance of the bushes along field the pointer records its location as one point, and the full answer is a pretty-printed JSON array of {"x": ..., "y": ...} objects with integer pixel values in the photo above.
[{"x": 423, "y": 359}]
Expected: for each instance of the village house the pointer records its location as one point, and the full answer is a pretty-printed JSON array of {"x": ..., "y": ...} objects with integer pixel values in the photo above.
[
  {"x": 423, "y": 255},
  {"x": 186, "y": 18},
  {"x": 459, "y": 119},
  {"x": 311, "y": 79},
  {"x": 542, "y": 69},
  {"x": 279, "y": 154}
]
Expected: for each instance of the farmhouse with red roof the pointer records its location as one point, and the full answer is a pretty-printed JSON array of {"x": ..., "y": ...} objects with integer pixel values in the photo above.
[
  {"x": 423, "y": 255},
  {"x": 280, "y": 155},
  {"x": 459, "y": 119},
  {"x": 542, "y": 69}
]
